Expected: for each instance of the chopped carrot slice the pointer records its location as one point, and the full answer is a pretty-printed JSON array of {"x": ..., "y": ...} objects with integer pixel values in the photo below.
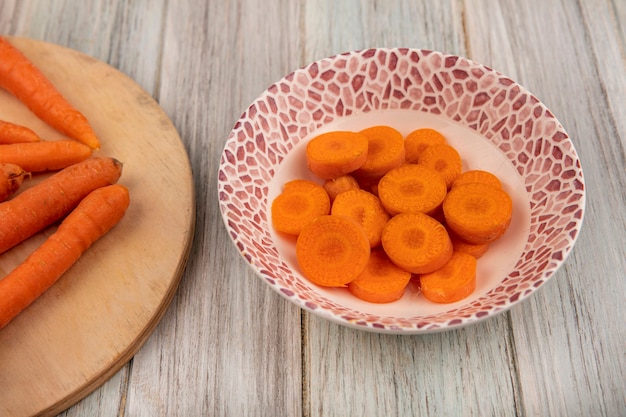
[
  {"x": 385, "y": 151},
  {"x": 418, "y": 140},
  {"x": 411, "y": 188},
  {"x": 416, "y": 242},
  {"x": 477, "y": 175},
  {"x": 337, "y": 153},
  {"x": 300, "y": 203},
  {"x": 332, "y": 251},
  {"x": 364, "y": 208},
  {"x": 478, "y": 213},
  {"x": 452, "y": 282},
  {"x": 335, "y": 186},
  {"x": 444, "y": 159},
  {"x": 477, "y": 250},
  {"x": 381, "y": 281}
]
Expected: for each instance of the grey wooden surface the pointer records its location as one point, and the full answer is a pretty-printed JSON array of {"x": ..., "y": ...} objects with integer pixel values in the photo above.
[{"x": 229, "y": 346}]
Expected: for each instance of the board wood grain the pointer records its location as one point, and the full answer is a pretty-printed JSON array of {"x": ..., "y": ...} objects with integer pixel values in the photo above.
[{"x": 91, "y": 322}]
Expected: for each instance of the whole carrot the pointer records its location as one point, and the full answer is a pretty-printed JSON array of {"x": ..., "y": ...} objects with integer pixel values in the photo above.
[
  {"x": 96, "y": 214},
  {"x": 14, "y": 133},
  {"x": 20, "y": 77},
  {"x": 11, "y": 177},
  {"x": 44, "y": 155},
  {"x": 41, "y": 205}
]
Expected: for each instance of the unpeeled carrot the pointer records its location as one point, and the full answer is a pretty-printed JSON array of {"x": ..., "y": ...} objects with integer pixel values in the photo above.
[
  {"x": 416, "y": 242},
  {"x": 14, "y": 133},
  {"x": 444, "y": 159},
  {"x": 41, "y": 205},
  {"x": 364, "y": 208},
  {"x": 418, "y": 140},
  {"x": 335, "y": 186},
  {"x": 385, "y": 151},
  {"x": 96, "y": 214},
  {"x": 477, "y": 175},
  {"x": 11, "y": 178},
  {"x": 20, "y": 77},
  {"x": 332, "y": 250},
  {"x": 300, "y": 202},
  {"x": 452, "y": 282},
  {"x": 381, "y": 281},
  {"x": 44, "y": 155},
  {"x": 337, "y": 153},
  {"x": 478, "y": 213},
  {"x": 411, "y": 188}
]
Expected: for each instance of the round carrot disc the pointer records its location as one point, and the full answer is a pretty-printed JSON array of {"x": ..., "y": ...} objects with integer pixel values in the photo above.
[
  {"x": 411, "y": 188},
  {"x": 416, "y": 242},
  {"x": 444, "y": 159},
  {"x": 477, "y": 175},
  {"x": 300, "y": 202},
  {"x": 478, "y": 213},
  {"x": 332, "y": 251},
  {"x": 337, "y": 153},
  {"x": 418, "y": 140},
  {"x": 452, "y": 282},
  {"x": 364, "y": 208},
  {"x": 385, "y": 151},
  {"x": 335, "y": 186},
  {"x": 381, "y": 281}
]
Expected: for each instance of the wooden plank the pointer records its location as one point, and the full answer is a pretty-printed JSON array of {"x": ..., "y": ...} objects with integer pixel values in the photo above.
[
  {"x": 566, "y": 337},
  {"x": 229, "y": 345},
  {"x": 465, "y": 372}
]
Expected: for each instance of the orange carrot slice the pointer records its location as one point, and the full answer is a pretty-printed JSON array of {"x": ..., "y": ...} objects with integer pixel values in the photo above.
[
  {"x": 11, "y": 178},
  {"x": 385, "y": 151},
  {"x": 364, "y": 208},
  {"x": 416, "y": 242},
  {"x": 418, "y": 140},
  {"x": 477, "y": 175},
  {"x": 478, "y": 213},
  {"x": 411, "y": 188},
  {"x": 44, "y": 155},
  {"x": 381, "y": 281},
  {"x": 338, "y": 185},
  {"x": 477, "y": 250},
  {"x": 300, "y": 203},
  {"x": 14, "y": 133},
  {"x": 444, "y": 159},
  {"x": 332, "y": 251},
  {"x": 337, "y": 153},
  {"x": 452, "y": 282}
]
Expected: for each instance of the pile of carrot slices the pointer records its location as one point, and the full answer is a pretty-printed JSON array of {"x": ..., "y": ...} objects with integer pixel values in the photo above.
[
  {"x": 389, "y": 209},
  {"x": 82, "y": 193}
]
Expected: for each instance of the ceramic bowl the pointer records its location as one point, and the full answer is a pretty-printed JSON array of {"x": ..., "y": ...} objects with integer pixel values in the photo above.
[{"x": 494, "y": 123}]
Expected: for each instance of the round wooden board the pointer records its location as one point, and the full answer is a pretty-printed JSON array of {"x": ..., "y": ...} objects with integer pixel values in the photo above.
[{"x": 96, "y": 317}]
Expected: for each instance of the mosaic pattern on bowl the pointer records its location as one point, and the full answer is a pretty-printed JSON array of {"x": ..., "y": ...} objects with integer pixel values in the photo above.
[{"x": 461, "y": 90}]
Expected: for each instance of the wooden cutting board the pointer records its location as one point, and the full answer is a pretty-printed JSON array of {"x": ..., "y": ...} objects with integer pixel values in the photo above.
[{"x": 96, "y": 317}]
